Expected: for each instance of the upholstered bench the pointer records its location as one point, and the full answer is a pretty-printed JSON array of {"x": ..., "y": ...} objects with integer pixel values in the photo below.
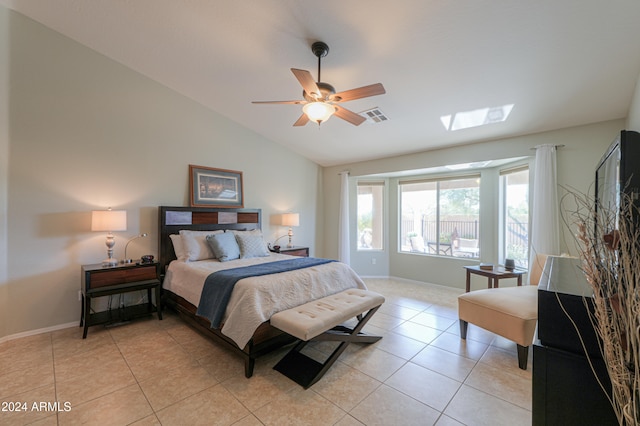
[
  {"x": 322, "y": 319},
  {"x": 510, "y": 312}
]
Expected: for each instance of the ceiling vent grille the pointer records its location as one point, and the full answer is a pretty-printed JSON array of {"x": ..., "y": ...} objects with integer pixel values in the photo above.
[{"x": 374, "y": 115}]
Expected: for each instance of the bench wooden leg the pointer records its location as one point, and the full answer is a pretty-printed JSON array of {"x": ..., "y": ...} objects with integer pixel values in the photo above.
[{"x": 306, "y": 371}]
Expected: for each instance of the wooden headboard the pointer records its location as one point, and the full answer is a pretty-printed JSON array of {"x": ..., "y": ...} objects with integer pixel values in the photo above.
[{"x": 172, "y": 219}]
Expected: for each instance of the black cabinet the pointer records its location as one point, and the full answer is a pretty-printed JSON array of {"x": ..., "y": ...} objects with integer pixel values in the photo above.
[{"x": 567, "y": 384}]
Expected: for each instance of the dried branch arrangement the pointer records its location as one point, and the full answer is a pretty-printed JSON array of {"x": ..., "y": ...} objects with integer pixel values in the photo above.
[{"x": 609, "y": 246}]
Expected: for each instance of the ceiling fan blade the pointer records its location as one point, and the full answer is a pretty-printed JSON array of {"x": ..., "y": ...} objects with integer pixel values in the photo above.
[
  {"x": 279, "y": 102},
  {"x": 350, "y": 116},
  {"x": 301, "y": 121},
  {"x": 306, "y": 80},
  {"x": 361, "y": 92}
]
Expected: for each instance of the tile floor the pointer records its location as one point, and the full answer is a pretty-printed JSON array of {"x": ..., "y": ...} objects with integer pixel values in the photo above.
[{"x": 162, "y": 372}]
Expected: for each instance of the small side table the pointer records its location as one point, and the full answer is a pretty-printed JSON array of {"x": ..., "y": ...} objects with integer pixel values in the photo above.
[
  {"x": 493, "y": 275},
  {"x": 98, "y": 280},
  {"x": 295, "y": 251}
]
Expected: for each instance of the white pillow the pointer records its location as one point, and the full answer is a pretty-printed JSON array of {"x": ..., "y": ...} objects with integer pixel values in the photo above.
[
  {"x": 251, "y": 245},
  {"x": 249, "y": 232},
  {"x": 178, "y": 247},
  {"x": 195, "y": 245}
]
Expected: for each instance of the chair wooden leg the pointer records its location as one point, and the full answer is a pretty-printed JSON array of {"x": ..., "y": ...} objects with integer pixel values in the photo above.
[
  {"x": 463, "y": 329},
  {"x": 523, "y": 354}
]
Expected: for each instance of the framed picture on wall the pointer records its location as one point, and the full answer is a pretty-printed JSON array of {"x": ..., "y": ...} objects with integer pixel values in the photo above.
[{"x": 215, "y": 187}]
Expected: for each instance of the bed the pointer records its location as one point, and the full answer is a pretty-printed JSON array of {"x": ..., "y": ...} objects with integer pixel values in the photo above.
[{"x": 245, "y": 326}]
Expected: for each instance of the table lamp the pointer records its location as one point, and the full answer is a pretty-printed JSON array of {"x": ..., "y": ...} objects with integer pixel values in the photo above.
[
  {"x": 290, "y": 220},
  {"x": 109, "y": 220}
]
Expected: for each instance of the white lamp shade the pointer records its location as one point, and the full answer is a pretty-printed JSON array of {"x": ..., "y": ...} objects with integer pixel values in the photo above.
[
  {"x": 109, "y": 220},
  {"x": 318, "y": 112},
  {"x": 290, "y": 219}
]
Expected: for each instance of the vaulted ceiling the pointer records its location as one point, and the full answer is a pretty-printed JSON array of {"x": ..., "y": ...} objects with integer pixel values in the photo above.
[{"x": 561, "y": 63}]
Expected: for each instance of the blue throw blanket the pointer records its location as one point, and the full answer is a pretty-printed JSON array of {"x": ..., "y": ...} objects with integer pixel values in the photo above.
[{"x": 219, "y": 285}]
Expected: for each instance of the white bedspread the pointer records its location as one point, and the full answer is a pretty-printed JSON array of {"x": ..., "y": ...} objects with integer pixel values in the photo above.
[{"x": 255, "y": 299}]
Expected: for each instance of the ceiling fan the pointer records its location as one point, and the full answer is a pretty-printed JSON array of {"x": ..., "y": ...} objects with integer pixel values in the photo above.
[{"x": 321, "y": 100}]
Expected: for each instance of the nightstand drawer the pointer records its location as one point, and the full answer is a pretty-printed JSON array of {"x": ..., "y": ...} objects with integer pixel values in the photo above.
[
  {"x": 296, "y": 251},
  {"x": 121, "y": 276}
]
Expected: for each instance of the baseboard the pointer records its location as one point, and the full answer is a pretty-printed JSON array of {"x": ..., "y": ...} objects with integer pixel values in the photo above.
[{"x": 38, "y": 331}]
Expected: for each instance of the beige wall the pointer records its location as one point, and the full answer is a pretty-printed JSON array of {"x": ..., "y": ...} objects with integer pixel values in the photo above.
[
  {"x": 84, "y": 132},
  {"x": 576, "y": 161},
  {"x": 4, "y": 164}
]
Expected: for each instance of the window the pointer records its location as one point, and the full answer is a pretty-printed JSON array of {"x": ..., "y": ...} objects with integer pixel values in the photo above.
[
  {"x": 370, "y": 215},
  {"x": 514, "y": 216},
  {"x": 441, "y": 216}
]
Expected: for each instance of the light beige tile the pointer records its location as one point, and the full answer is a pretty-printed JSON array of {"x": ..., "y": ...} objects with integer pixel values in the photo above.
[
  {"x": 223, "y": 364},
  {"x": 474, "y": 333},
  {"x": 94, "y": 361},
  {"x": 168, "y": 388},
  {"x": 417, "y": 332},
  {"x": 151, "y": 420},
  {"x": 348, "y": 420},
  {"x": 387, "y": 406},
  {"x": 262, "y": 388},
  {"x": 397, "y": 311},
  {"x": 299, "y": 407},
  {"x": 474, "y": 407},
  {"x": 447, "y": 421},
  {"x": 212, "y": 406},
  {"x": 507, "y": 360},
  {"x": 21, "y": 354},
  {"x": 467, "y": 348},
  {"x": 434, "y": 321},
  {"x": 24, "y": 412},
  {"x": 425, "y": 385},
  {"x": 138, "y": 328},
  {"x": 447, "y": 363},
  {"x": 345, "y": 386},
  {"x": 69, "y": 341},
  {"x": 385, "y": 321},
  {"x": 106, "y": 378},
  {"x": 19, "y": 381},
  {"x": 399, "y": 345},
  {"x": 373, "y": 362},
  {"x": 249, "y": 420},
  {"x": 501, "y": 383},
  {"x": 123, "y": 406},
  {"x": 161, "y": 360}
]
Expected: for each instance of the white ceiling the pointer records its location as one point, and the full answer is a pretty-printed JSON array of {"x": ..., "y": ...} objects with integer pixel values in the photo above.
[{"x": 561, "y": 63}]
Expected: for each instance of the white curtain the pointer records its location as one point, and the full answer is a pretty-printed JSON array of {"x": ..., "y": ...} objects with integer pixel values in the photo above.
[
  {"x": 343, "y": 220},
  {"x": 545, "y": 223}
]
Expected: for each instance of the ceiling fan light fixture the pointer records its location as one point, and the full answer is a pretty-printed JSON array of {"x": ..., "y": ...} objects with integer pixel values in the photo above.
[{"x": 319, "y": 112}]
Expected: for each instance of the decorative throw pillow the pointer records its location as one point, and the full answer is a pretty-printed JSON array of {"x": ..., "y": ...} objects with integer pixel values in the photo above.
[
  {"x": 251, "y": 245},
  {"x": 195, "y": 244},
  {"x": 224, "y": 246},
  {"x": 178, "y": 247}
]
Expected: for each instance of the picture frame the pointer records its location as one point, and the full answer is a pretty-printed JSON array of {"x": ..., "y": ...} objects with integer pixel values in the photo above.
[{"x": 211, "y": 187}]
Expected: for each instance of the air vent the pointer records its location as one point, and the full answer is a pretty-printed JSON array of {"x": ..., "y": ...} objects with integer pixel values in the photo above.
[{"x": 374, "y": 115}]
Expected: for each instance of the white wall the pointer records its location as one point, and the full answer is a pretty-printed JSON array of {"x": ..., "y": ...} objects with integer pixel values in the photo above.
[
  {"x": 583, "y": 147},
  {"x": 633, "y": 120},
  {"x": 83, "y": 132}
]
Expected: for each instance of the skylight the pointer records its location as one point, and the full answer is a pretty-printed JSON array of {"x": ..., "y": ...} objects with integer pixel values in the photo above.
[{"x": 475, "y": 118}]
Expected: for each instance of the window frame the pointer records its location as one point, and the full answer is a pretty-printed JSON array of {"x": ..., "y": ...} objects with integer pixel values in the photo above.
[
  {"x": 438, "y": 179},
  {"x": 382, "y": 211},
  {"x": 502, "y": 211}
]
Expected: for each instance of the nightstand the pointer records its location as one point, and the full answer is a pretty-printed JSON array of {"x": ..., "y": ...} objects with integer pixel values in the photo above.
[
  {"x": 295, "y": 251},
  {"x": 98, "y": 281}
]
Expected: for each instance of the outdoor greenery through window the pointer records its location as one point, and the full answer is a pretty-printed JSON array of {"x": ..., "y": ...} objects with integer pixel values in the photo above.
[
  {"x": 514, "y": 216},
  {"x": 370, "y": 215},
  {"x": 441, "y": 217}
]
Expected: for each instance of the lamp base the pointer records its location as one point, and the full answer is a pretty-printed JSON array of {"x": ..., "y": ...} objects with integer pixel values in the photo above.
[{"x": 110, "y": 262}]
